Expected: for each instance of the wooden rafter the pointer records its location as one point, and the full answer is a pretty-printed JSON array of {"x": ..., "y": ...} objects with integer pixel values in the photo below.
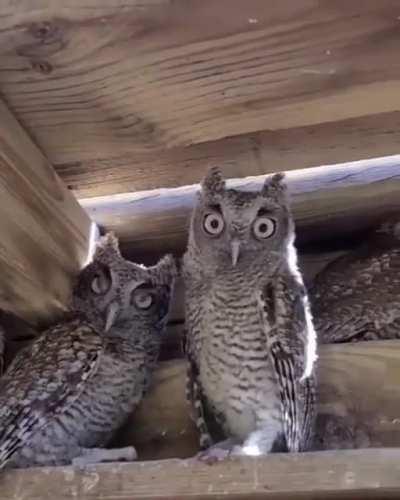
[
  {"x": 45, "y": 234},
  {"x": 328, "y": 202}
]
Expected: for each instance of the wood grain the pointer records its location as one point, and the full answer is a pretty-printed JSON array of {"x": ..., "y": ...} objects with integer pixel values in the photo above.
[
  {"x": 344, "y": 475},
  {"x": 328, "y": 203},
  {"x": 128, "y": 76},
  {"x": 44, "y": 232},
  {"x": 241, "y": 156},
  {"x": 358, "y": 406}
]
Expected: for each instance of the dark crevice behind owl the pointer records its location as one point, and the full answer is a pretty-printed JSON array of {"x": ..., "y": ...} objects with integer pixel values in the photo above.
[
  {"x": 357, "y": 297},
  {"x": 62, "y": 397},
  {"x": 250, "y": 342}
]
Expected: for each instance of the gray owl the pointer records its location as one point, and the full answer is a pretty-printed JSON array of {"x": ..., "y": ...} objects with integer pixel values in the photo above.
[
  {"x": 250, "y": 340},
  {"x": 2, "y": 348},
  {"x": 357, "y": 297},
  {"x": 62, "y": 397}
]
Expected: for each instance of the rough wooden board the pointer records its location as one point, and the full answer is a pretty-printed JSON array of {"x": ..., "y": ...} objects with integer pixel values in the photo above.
[
  {"x": 241, "y": 156},
  {"x": 128, "y": 76},
  {"x": 355, "y": 475},
  {"x": 328, "y": 202},
  {"x": 44, "y": 232},
  {"x": 359, "y": 398}
]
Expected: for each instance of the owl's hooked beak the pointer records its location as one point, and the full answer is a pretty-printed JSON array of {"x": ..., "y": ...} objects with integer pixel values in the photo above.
[
  {"x": 112, "y": 312},
  {"x": 235, "y": 250}
]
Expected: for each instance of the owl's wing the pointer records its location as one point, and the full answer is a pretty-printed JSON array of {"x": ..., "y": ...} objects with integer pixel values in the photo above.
[
  {"x": 291, "y": 344},
  {"x": 43, "y": 380}
]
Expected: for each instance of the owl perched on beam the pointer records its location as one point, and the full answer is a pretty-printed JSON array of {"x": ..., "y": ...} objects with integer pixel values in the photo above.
[
  {"x": 62, "y": 397},
  {"x": 250, "y": 343}
]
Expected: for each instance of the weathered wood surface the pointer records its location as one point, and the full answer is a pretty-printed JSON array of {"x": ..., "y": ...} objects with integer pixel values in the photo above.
[
  {"x": 241, "y": 156},
  {"x": 102, "y": 83},
  {"x": 359, "y": 403},
  {"x": 344, "y": 475},
  {"x": 328, "y": 203},
  {"x": 45, "y": 234}
]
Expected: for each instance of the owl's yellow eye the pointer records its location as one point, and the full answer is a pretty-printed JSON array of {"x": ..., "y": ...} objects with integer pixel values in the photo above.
[
  {"x": 143, "y": 299},
  {"x": 264, "y": 227},
  {"x": 213, "y": 224}
]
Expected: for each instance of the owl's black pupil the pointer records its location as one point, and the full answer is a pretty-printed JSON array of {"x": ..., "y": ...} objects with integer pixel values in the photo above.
[
  {"x": 214, "y": 223},
  {"x": 263, "y": 227}
]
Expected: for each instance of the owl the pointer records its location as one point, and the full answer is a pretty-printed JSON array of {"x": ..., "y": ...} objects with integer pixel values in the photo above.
[
  {"x": 357, "y": 297},
  {"x": 250, "y": 341},
  {"x": 2, "y": 348},
  {"x": 62, "y": 397}
]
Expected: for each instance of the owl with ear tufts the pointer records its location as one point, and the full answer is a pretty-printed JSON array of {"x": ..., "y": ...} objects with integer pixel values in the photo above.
[
  {"x": 63, "y": 397},
  {"x": 250, "y": 341}
]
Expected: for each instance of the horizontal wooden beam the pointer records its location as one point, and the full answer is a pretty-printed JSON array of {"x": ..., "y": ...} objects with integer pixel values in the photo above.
[
  {"x": 132, "y": 77},
  {"x": 45, "y": 234},
  {"x": 342, "y": 475},
  {"x": 328, "y": 202},
  {"x": 241, "y": 156},
  {"x": 358, "y": 407}
]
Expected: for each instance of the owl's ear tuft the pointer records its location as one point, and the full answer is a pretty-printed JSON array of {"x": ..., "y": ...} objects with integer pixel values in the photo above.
[
  {"x": 165, "y": 271},
  {"x": 275, "y": 186},
  {"x": 107, "y": 248},
  {"x": 213, "y": 182}
]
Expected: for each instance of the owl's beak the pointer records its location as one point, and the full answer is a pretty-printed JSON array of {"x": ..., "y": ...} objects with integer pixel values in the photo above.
[
  {"x": 112, "y": 312},
  {"x": 235, "y": 250}
]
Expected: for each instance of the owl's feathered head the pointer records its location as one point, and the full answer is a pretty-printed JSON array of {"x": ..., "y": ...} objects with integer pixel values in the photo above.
[
  {"x": 233, "y": 228},
  {"x": 113, "y": 292}
]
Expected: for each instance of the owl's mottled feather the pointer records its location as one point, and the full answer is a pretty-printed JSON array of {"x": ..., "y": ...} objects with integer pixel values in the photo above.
[
  {"x": 250, "y": 342},
  {"x": 64, "y": 396},
  {"x": 357, "y": 297}
]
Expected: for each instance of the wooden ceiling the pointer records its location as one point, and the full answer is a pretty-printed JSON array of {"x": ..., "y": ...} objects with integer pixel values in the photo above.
[
  {"x": 125, "y": 97},
  {"x": 131, "y": 95}
]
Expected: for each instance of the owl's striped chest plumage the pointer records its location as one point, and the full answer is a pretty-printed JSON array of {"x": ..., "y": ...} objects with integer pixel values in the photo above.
[{"x": 234, "y": 366}]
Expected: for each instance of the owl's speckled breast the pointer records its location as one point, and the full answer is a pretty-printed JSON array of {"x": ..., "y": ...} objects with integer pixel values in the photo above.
[{"x": 235, "y": 370}]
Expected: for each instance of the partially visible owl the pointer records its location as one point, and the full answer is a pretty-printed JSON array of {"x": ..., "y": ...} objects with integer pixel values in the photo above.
[
  {"x": 250, "y": 340},
  {"x": 357, "y": 297},
  {"x": 62, "y": 397},
  {"x": 2, "y": 348}
]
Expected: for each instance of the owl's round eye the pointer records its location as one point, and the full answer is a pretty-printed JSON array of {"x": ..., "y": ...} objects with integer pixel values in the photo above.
[
  {"x": 264, "y": 227},
  {"x": 143, "y": 299},
  {"x": 213, "y": 223},
  {"x": 101, "y": 283}
]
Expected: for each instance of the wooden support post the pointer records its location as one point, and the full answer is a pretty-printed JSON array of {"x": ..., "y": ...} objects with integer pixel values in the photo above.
[
  {"x": 45, "y": 235},
  {"x": 328, "y": 202}
]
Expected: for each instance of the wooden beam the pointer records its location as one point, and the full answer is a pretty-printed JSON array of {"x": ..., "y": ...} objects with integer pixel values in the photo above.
[
  {"x": 358, "y": 401},
  {"x": 344, "y": 475},
  {"x": 241, "y": 156},
  {"x": 45, "y": 234},
  {"x": 328, "y": 202},
  {"x": 129, "y": 76}
]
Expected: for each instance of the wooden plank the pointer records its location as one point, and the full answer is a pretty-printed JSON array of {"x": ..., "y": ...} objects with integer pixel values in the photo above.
[
  {"x": 128, "y": 76},
  {"x": 241, "y": 156},
  {"x": 358, "y": 401},
  {"x": 328, "y": 202},
  {"x": 45, "y": 234},
  {"x": 355, "y": 475}
]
